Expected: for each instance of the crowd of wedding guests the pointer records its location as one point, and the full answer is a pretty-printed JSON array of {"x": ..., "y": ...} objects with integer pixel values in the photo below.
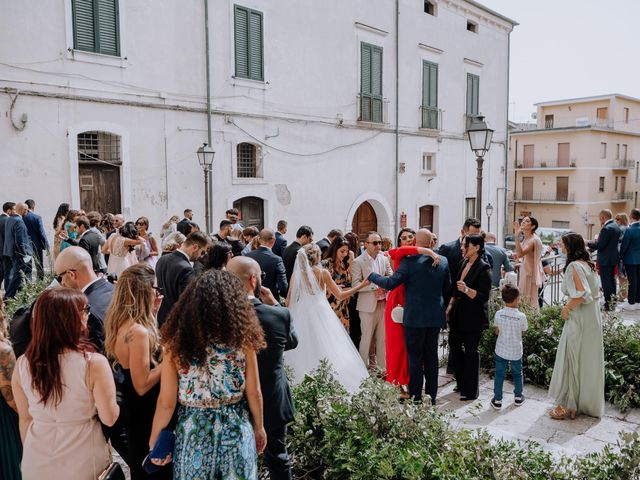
[{"x": 141, "y": 335}]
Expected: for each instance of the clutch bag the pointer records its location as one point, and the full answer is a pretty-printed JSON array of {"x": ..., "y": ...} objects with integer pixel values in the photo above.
[
  {"x": 112, "y": 472},
  {"x": 397, "y": 313}
]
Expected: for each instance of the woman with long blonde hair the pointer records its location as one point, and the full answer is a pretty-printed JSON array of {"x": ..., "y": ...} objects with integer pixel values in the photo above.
[{"x": 133, "y": 343}]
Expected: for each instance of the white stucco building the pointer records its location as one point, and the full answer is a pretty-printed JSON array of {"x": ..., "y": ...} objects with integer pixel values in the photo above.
[{"x": 334, "y": 114}]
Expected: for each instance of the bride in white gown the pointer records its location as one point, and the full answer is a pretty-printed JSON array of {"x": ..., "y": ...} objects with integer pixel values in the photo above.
[{"x": 320, "y": 332}]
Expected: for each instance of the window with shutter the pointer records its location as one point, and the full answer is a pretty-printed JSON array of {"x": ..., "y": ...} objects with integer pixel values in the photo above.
[
  {"x": 371, "y": 102},
  {"x": 429, "y": 95},
  {"x": 473, "y": 94},
  {"x": 249, "y": 49},
  {"x": 96, "y": 26}
]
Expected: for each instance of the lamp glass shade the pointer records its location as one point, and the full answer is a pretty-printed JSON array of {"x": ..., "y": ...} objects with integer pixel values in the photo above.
[
  {"x": 489, "y": 209},
  {"x": 205, "y": 155},
  {"x": 480, "y": 136}
]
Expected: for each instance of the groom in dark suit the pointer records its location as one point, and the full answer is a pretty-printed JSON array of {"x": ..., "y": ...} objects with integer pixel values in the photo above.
[
  {"x": 608, "y": 256},
  {"x": 426, "y": 286},
  {"x": 280, "y": 336}
]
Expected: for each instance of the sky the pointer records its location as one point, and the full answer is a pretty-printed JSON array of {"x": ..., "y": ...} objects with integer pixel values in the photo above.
[{"x": 570, "y": 48}]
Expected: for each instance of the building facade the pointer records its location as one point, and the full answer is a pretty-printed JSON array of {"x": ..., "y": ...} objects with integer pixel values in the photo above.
[
  {"x": 332, "y": 114},
  {"x": 577, "y": 160}
]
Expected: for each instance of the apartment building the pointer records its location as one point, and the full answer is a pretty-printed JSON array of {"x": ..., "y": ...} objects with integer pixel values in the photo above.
[
  {"x": 579, "y": 158},
  {"x": 333, "y": 113}
]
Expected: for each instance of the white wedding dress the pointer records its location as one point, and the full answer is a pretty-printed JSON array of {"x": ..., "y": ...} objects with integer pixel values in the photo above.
[{"x": 320, "y": 332}]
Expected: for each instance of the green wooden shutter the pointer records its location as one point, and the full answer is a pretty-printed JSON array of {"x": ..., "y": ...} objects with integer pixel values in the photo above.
[
  {"x": 249, "y": 44},
  {"x": 371, "y": 102},
  {"x": 241, "y": 20},
  {"x": 255, "y": 46},
  {"x": 83, "y": 25},
  {"x": 107, "y": 31},
  {"x": 473, "y": 94},
  {"x": 429, "y": 95}
]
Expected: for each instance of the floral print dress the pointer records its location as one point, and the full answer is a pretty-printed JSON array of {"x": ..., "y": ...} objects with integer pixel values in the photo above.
[
  {"x": 214, "y": 435},
  {"x": 342, "y": 279}
]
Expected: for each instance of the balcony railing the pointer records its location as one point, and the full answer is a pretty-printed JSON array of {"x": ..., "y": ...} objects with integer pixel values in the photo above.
[
  {"x": 584, "y": 122},
  {"x": 523, "y": 197},
  {"x": 622, "y": 197},
  {"x": 547, "y": 164},
  {"x": 623, "y": 164},
  {"x": 431, "y": 118},
  {"x": 372, "y": 108}
]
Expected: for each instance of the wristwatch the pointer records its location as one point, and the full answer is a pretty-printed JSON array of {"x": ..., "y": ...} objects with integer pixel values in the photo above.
[{"x": 466, "y": 289}]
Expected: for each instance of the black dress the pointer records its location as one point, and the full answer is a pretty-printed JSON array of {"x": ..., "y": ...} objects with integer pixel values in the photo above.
[{"x": 139, "y": 411}]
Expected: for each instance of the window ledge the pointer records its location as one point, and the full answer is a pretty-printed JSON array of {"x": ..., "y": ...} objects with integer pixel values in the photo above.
[
  {"x": 248, "y": 181},
  {"x": 96, "y": 58},
  {"x": 247, "y": 82}
]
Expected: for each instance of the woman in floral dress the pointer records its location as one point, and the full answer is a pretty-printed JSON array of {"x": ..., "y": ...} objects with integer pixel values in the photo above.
[
  {"x": 338, "y": 261},
  {"x": 212, "y": 336}
]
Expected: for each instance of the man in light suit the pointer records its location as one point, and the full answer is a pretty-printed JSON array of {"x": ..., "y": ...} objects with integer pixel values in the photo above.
[
  {"x": 630, "y": 254},
  {"x": 608, "y": 255},
  {"x": 426, "y": 286},
  {"x": 8, "y": 209},
  {"x": 38, "y": 237},
  {"x": 280, "y": 337},
  {"x": 275, "y": 276},
  {"x": 174, "y": 271},
  {"x": 17, "y": 247},
  {"x": 371, "y": 299}
]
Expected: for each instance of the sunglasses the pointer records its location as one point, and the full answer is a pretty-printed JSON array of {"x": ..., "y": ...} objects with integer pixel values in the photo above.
[
  {"x": 376, "y": 242},
  {"x": 263, "y": 275},
  {"x": 60, "y": 275},
  {"x": 140, "y": 224},
  {"x": 87, "y": 308}
]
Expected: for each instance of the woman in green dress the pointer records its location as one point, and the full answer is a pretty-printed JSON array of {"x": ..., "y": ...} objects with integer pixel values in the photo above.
[
  {"x": 577, "y": 382},
  {"x": 10, "y": 443}
]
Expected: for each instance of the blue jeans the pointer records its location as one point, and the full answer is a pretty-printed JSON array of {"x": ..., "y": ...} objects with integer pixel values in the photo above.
[{"x": 501, "y": 369}]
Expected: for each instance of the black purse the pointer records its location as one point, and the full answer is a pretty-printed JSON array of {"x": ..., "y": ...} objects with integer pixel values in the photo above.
[{"x": 112, "y": 472}]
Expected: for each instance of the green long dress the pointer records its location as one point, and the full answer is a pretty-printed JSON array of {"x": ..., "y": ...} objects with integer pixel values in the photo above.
[
  {"x": 578, "y": 374},
  {"x": 10, "y": 443}
]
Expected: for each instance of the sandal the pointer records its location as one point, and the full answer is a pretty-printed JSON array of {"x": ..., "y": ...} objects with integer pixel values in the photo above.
[{"x": 561, "y": 413}]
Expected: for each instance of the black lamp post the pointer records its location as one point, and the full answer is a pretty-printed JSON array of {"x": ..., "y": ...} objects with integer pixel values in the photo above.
[
  {"x": 489, "y": 211},
  {"x": 480, "y": 141},
  {"x": 205, "y": 158}
]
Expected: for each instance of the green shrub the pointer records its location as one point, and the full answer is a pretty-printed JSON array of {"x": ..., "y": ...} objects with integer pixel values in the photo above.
[
  {"x": 28, "y": 294},
  {"x": 540, "y": 342},
  {"x": 371, "y": 436}
]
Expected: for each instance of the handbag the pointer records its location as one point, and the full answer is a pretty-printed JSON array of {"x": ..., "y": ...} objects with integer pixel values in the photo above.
[
  {"x": 112, "y": 472},
  {"x": 397, "y": 314}
]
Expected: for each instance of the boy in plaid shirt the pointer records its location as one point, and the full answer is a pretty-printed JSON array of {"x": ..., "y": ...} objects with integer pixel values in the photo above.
[{"x": 509, "y": 324}]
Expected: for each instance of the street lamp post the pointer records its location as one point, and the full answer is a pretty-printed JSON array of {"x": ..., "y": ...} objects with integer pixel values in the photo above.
[
  {"x": 205, "y": 158},
  {"x": 480, "y": 141},
  {"x": 489, "y": 211}
]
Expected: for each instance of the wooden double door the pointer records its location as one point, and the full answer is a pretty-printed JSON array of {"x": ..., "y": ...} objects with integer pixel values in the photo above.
[{"x": 251, "y": 211}]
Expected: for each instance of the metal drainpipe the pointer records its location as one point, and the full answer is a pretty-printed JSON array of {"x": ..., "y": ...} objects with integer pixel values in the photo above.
[
  {"x": 506, "y": 148},
  {"x": 208, "y": 172},
  {"x": 396, "y": 218}
]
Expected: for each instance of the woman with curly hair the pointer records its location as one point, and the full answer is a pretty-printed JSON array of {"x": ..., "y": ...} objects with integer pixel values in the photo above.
[
  {"x": 577, "y": 383},
  {"x": 60, "y": 384},
  {"x": 210, "y": 367},
  {"x": 122, "y": 248},
  {"x": 132, "y": 342}
]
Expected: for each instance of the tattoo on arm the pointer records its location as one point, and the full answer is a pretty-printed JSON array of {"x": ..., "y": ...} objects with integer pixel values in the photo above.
[
  {"x": 7, "y": 393},
  {"x": 7, "y": 363},
  {"x": 128, "y": 337}
]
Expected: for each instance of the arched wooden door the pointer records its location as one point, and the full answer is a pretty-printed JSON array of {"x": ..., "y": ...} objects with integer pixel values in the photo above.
[
  {"x": 251, "y": 211},
  {"x": 365, "y": 220}
]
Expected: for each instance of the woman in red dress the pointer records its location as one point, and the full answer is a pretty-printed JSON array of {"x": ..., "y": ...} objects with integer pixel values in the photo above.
[{"x": 397, "y": 363}]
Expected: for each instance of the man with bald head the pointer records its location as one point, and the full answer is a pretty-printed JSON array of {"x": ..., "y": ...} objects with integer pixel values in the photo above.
[
  {"x": 17, "y": 248},
  {"x": 275, "y": 275},
  {"x": 499, "y": 256},
  {"x": 280, "y": 336},
  {"x": 426, "y": 284},
  {"x": 606, "y": 244},
  {"x": 74, "y": 269}
]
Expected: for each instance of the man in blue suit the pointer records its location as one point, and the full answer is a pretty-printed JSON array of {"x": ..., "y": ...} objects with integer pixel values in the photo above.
[
  {"x": 17, "y": 247},
  {"x": 630, "y": 254},
  {"x": 608, "y": 256},
  {"x": 5, "y": 262},
  {"x": 272, "y": 266},
  {"x": 38, "y": 237},
  {"x": 426, "y": 286}
]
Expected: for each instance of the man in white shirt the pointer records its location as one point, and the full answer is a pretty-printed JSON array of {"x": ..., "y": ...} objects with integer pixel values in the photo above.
[{"x": 372, "y": 299}]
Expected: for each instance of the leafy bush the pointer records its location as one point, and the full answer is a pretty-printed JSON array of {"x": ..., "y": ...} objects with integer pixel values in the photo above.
[
  {"x": 371, "y": 436},
  {"x": 540, "y": 342},
  {"x": 27, "y": 294}
]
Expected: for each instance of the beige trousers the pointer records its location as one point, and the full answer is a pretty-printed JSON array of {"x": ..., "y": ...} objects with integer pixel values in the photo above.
[{"x": 372, "y": 326}]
